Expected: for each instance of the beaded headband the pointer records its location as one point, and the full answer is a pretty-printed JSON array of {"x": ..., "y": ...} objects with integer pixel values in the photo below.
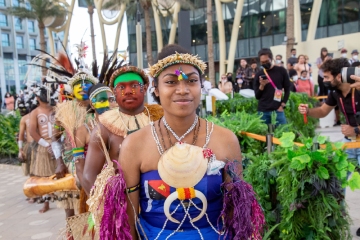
[
  {"x": 127, "y": 69},
  {"x": 177, "y": 58},
  {"x": 100, "y": 89},
  {"x": 82, "y": 75}
]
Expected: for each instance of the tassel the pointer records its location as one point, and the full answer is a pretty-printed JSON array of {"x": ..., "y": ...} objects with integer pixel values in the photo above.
[
  {"x": 83, "y": 207},
  {"x": 114, "y": 223},
  {"x": 243, "y": 216}
]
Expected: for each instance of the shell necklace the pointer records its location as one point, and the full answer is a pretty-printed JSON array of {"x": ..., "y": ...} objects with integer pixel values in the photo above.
[{"x": 186, "y": 133}]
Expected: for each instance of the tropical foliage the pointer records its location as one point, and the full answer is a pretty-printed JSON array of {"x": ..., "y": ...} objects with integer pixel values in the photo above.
[
  {"x": 9, "y": 127},
  {"x": 302, "y": 188}
]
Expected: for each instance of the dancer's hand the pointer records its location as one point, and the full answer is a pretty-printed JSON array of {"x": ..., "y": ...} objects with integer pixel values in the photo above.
[{"x": 61, "y": 169}]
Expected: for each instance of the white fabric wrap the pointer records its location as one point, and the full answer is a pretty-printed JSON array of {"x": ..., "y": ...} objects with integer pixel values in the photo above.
[
  {"x": 20, "y": 144},
  {"x": 43, "y": 143},
  {"x": 56, "y": 148}
]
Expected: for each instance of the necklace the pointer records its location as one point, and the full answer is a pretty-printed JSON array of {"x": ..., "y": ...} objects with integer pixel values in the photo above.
[
  {"x": 186, "y": 133},
  {"x": 196, "y": 134}
]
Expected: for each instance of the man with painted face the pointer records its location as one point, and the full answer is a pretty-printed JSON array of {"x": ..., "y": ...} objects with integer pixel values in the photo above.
[
  {"x": 100, "y": 96},
  {"x": 129, "y": 84},
  {"x": 80, "y": 83},
  {"x": 41, "y": 130},
  {"x": 343, "y": 95},
  {"x": 272, "y": 88}
]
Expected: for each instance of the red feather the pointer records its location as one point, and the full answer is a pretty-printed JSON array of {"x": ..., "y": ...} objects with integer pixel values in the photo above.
[{"x": 65, "y": 62}]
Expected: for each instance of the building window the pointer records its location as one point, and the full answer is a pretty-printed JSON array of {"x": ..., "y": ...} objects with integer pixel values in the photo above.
[
  {"x": 31, "y": 26},
  {"x": 32, "y": 43},
  {"x": 18, "y": 23},
  {"x": 28, "y": 6},
  {"x": 3, "y": 20},
  {"x": 2, "y": 3},
  {"x": 19, "y": 42},
  {"x": 5, "y": 40},
  {"x": 16, "y": 3}
]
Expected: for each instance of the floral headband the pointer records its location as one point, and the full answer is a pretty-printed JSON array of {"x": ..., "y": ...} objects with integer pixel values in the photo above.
[{"x": 177, "y": 58}]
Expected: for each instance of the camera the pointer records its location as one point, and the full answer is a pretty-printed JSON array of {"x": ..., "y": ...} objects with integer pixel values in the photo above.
[
  {"x": 264, "y": 77},
  {"x": 346, "y": 72}
]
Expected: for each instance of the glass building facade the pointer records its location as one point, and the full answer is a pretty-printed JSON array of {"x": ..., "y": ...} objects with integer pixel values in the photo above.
[{"x": 263, "y": 24}]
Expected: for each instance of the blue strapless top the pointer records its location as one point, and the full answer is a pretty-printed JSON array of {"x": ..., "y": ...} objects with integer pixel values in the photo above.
[{"x": 154, "y": 191}]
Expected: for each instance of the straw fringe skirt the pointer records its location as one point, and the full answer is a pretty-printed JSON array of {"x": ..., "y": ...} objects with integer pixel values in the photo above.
[
  {"x": 27, "y": 158},
  {"x": 44, "y": 164},
  {"x": 68, "y": 199}
]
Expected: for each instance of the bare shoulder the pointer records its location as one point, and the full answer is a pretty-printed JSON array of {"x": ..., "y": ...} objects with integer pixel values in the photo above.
[{"x": 137, "y": 140}]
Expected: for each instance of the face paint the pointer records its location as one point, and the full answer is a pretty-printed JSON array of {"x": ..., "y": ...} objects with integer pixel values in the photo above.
[
  {"x": 101, "y": 102},
  {"x": 181, "y": 75},
  {"x": 129, "y": 95},
  {"x": 81, "y": 89}
]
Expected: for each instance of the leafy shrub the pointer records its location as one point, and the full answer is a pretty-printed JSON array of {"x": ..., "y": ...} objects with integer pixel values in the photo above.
[{"x": 9, "y": 127}]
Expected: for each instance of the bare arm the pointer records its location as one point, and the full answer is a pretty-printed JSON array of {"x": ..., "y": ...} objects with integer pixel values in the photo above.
[
  {"x": 22, "y": 129},
  {"x": 130, "y": 165},
  {"x": 33, "y": 126},
  {"x": 233, "y": 151},
  {"x": 80, "y": 140},
  {"x": 318, "y": 112},
  {"x": 95, "y": 158}
]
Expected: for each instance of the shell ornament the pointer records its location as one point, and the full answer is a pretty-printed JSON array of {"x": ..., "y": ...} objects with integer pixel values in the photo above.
[{"x": 182, "y": 167}]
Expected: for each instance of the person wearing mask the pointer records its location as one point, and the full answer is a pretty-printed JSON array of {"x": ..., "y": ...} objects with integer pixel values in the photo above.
[
  {"x": 250, "y": 74},
  {"x": 323, "y": 91},
  {"x": 344, "y": 53},
  {"x": 304, "y": 84},
  {"x": 292, "y": 60},
  {"x": 272, "y": 88},
  {"x": 9, "y": 101},
  {"x": 293, "y": 79},
  {"x": 354, "y": 56},
  {"x": 225, "y": 85},
  {"x": 278, "y": 61},
  {"x": 342, "y": 94},
  {"x": 302, "y": 66}
]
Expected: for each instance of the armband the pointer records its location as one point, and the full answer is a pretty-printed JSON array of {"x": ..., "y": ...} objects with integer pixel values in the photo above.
[
  {"x": 43, "y": 142},
  {"x": 56, "y": 148},
  {"x": 20, "y": 144}
]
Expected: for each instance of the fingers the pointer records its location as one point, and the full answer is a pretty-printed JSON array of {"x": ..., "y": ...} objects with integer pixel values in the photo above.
[{"x": 303, "y": 108}]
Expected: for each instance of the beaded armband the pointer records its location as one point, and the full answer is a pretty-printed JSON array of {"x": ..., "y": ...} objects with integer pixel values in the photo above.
[
  {"x": 78, "y": 153},
  {"x": 133, "y": 189}
]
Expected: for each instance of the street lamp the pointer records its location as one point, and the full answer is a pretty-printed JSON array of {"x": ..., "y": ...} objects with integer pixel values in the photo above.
[{"x": 139, "y": 37}]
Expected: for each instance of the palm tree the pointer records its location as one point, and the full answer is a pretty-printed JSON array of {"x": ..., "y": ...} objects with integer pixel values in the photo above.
[
  {"x": 90, "y": 6},
  {"x": 39, "y": 10},
  {"x": 290, "y": 28},
  {"x": 211, "y": 64}
]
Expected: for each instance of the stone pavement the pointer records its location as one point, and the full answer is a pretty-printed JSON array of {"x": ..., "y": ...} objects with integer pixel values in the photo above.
[{"x": 22, "y": 221}]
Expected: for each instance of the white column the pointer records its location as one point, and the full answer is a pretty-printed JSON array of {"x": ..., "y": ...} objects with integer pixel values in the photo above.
[
  {"x": 221, "y": 32},
  {"x": 314, "y": 18},
  {"x": 234, "y": 36}
]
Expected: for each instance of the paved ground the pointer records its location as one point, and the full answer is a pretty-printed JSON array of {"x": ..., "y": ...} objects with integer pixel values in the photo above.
[{"x": 20, "y": 220}]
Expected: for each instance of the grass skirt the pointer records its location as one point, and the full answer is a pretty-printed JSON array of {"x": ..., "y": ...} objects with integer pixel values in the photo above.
[
  {"x": 68, "y": 199},
  {"x": 44, "y": 164},
  {"x": 26, "y": 158}
]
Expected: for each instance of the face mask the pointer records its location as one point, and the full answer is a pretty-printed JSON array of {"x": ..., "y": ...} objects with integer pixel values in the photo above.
[
  {"x": 295, "y": 78},
  {"x": 229, "y": 78},
  {"x": 278, "y": 61},
  {"x": 344, "y": 55},
  {"x": 267, "y": 65},
  {"x": 303, "y": 78},
  {"x": 355, "y": 57},
  {"x": 239, "y": 81},
  {"x": 328, "y": 85}
]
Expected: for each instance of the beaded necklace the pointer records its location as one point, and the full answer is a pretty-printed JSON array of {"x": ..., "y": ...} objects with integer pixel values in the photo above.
[{"x": 185, "y": 134}]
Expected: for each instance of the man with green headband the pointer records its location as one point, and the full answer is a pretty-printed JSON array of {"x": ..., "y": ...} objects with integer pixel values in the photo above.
[{"x": 129, "y": 84}]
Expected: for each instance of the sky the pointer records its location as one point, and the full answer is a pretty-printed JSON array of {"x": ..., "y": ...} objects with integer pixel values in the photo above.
[{"x": 80, "y": 28}]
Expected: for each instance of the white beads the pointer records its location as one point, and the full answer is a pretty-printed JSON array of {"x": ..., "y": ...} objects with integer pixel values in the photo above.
[{"x": 186, "y": 133}]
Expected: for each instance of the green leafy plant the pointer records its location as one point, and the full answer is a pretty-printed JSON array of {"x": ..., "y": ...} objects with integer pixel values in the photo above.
[
  {"x": 9, "y": 127},
  {"x": 302, "y": 189}
]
